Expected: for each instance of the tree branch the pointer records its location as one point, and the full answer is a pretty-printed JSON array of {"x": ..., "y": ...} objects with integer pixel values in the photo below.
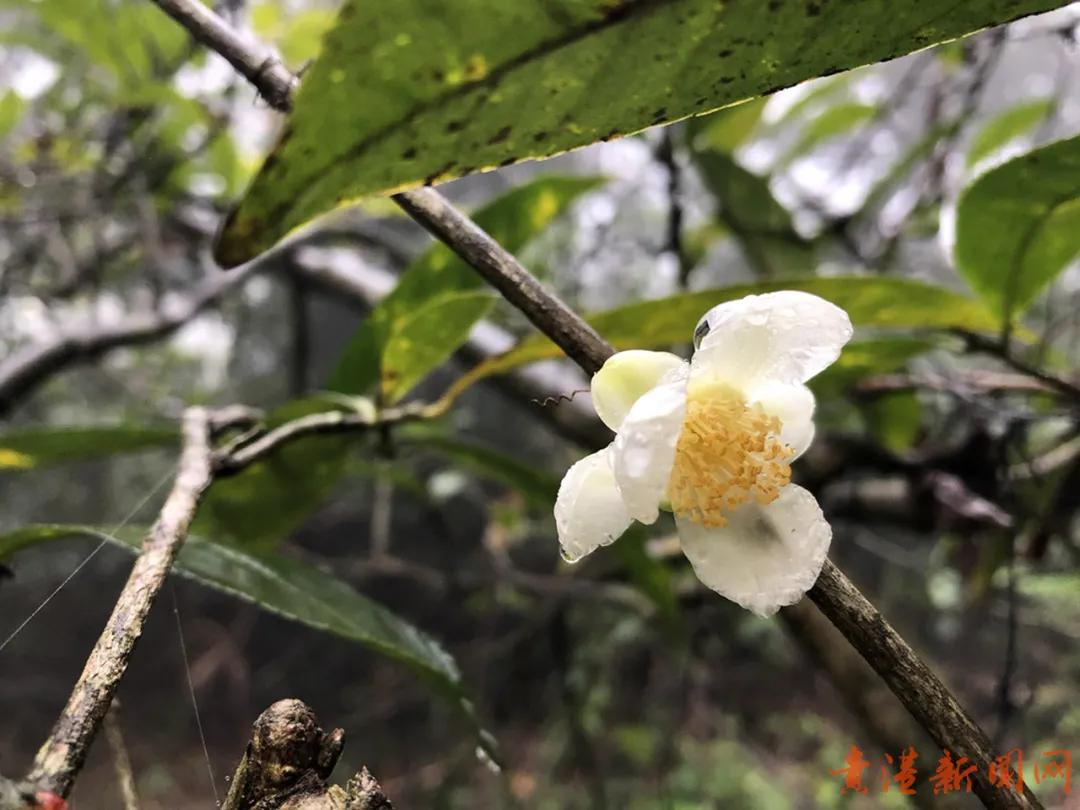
[
  {"x": 60, "y": 758},
  {"x": 1000, "y": 350},
  {"x": 923, "y": 694},
  {"x": 429, "y": 208},
  {"x": 910, "y": 679},
  {"x": 579, "y": 341},
  {"x": 24, "y": 370},
  {"x": 234, "y": 458},
  {"x": 259, "y": 66}
]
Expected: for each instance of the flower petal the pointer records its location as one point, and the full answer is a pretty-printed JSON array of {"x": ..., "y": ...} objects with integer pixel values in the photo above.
[
  {"x": 644, "y": 450},
  {"x": 794, "y": 405},
  {"x": 624, "y": 378},
  {"x": 788, "y": 336},
  {"x": 589, "y": 512},
  {"x": 767, "y": 556}
]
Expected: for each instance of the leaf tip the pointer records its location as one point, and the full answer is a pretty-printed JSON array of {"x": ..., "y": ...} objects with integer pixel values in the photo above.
[{"x": 235, "y": 244}]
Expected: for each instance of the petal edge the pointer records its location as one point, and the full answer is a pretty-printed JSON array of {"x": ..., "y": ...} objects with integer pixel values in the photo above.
[
  {"x": 766, "y": 557},
  {"x": 589, "y": 512}
]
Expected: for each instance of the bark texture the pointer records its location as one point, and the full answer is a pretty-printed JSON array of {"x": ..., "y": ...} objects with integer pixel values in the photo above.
[{"x": 60, "y": 758}]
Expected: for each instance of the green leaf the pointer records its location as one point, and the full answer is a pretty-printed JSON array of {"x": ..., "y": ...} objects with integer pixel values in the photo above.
[
  {"x": 728, "y": 129},
  {"x": 877, "y": 355},
  {"x": 832, "y": 123},
  {"x": 895, "y": 419},
  {"x": 406, "y": 93},
  {"x": 871, "y": 301},
  {"x": 11, "y": 110},
  {"x": 134, "y": 42},
  {"x": 817, "y": 92},
  {"x": 747, "y": 204},
  {"x": 296, "y": 36},
  {"x": 40, "y": 447},
  {"x": 1056, "y": 589},
  {"x": 1018, "y": 226},
  {"x": 426, "y": 337},
  {"x": 1007, "y": 127},
  {"x": 439, "y": 297},
  {"x": 537, "y": 486},
  {"x": 291, "y": 588}
]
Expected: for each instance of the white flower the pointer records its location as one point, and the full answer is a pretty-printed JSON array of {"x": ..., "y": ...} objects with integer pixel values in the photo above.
[{"x": 712, "y": 441}]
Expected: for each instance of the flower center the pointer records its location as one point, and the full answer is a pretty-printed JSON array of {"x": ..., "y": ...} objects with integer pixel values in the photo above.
[{"x": 728, "y": 453}]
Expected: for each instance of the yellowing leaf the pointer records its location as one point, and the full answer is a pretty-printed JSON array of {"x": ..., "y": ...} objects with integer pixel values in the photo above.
[{"x": 13, "y": 459}]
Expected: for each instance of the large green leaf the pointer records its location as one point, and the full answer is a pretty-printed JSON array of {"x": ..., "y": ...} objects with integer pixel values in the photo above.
[
  {"x": 1007, "y": 127},
  {"x": 407, "y": 92},
  {"x": 439, "y": 297},
  {"x": 39, "y": 447},
  {"x": 291, "y": 588},
  {"x": 876, "y": 355},
  {"x": 874, "y": 302},
  {"x": 1018, "y": 226}
]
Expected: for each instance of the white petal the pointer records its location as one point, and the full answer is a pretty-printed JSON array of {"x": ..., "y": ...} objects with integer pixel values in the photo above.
[
  {"x": 787, "y": 336},
  {"x": 767, "y": 556},
  {"x": 624, "y": 378},
  {"x": 644, "y": 450},
  {"x": 794, "y": 405},
  {"x": 589, "y": 512}
]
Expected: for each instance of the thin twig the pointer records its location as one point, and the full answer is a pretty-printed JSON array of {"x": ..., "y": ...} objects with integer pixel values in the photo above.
[
  {"x": 233, "y": 458},
  {"x": 673, "y": 239},
  {"x": 259, "y": 66},
  {"x": 60, "y": 758},
  {"x": 923, "y": 694},
  {"x": 964, "y": 383},
  {"x": 125, "y": 776},
  {"x": 980, "y": 343}
]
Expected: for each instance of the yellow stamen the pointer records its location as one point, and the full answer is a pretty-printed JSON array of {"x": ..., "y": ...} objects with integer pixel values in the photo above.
[{"x": 728, "y": 454}]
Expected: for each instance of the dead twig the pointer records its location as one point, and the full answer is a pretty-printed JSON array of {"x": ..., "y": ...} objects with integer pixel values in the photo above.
[
  {"x": 288, "y": 763},
  {"x": 63, "y": 753}
]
